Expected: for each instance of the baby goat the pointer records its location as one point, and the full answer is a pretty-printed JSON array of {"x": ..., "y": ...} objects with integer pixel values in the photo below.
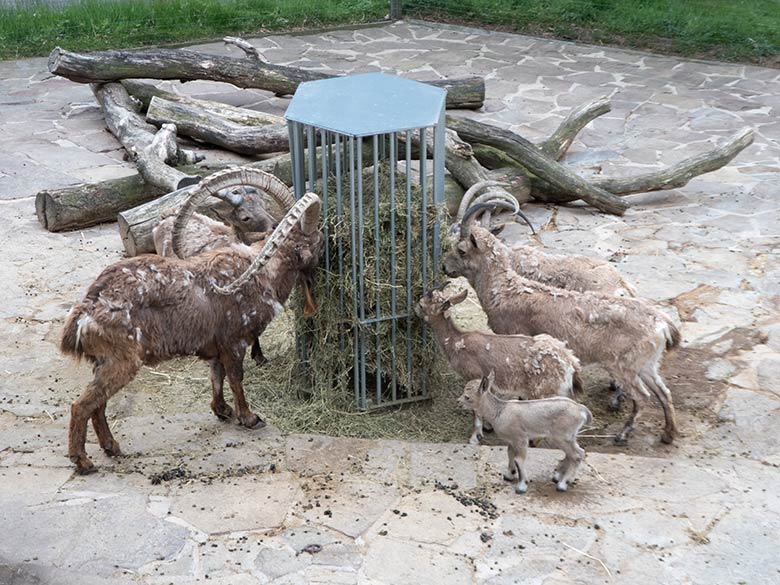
[
  {"x": 148, "y": 309},
  {"x": 625, "y": 336},
  {"x": 515, "y": 422}
]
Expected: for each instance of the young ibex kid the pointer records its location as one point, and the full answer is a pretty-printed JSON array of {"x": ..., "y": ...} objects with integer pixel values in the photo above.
[{"x": 515, "y": 422}]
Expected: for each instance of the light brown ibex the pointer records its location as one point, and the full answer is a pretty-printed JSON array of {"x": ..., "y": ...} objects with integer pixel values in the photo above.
[{"x": 626, "y": 336}]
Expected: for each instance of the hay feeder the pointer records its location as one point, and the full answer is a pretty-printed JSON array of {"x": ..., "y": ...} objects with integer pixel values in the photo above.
[{"x": 352, "y": 141}]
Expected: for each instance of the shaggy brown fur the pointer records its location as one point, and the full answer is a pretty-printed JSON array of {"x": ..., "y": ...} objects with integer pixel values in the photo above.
[
  {"x": 625, "y": 336},
  {"x": 148, "y": 309},
  {"x": 204, "y": 234},
  {"x": 516, "y": 422}
]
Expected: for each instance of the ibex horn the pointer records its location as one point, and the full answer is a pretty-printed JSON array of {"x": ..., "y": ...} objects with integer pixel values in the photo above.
[
  {"x": 311, "y": 218},
  {"x": 282, "y": 231},
  {"x": 465, "y": 224},
  {"x": 228, "y": 179},
  {"x": 465, "y": 202}
]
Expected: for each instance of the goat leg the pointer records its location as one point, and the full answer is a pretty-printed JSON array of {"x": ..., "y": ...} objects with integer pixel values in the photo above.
[
  {"x": 234, "y": 369},
  {"x": 511, "y": 472},
  {"x": 257, "y": 353},
  {"x": 618, "y": 397},
  {"x": 622, "y": 437},
  {"x": 575, "y": 456},
  {"x": 519, "y": 463},
  {"x": 110, "y": 377},
  {"x": 106, "y": 440},
  {"x": 219, "y": 407},
  {"x": 476, "y": 436}
]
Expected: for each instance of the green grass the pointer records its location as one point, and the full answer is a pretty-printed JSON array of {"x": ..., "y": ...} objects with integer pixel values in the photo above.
[
  {"x": 35, "y": 29},
  {"x": 730, "y": 30}
]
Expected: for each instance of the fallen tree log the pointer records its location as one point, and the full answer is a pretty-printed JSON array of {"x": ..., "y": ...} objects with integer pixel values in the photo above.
[
  {"x": 212, "y": 128},
  {"x": 74, "y": 208},
  {"x": 543, "y": 167},
  {"x": 676, "y": 176},
  {"x": 152, "y": 162},
  {"x": 144, "y": 92},
  {"x": 186, "y": 65}
]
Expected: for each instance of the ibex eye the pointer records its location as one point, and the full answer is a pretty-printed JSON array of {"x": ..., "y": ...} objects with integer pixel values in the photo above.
[{"x": 461, "y": 252}]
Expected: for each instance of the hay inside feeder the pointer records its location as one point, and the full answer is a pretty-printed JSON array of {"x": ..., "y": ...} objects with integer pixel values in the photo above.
[
  {"x": 325, "y": 377},
  {"x": 401, "y": 359}
]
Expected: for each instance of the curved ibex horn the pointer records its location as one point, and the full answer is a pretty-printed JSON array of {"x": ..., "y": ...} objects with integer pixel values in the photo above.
[
  {"x": 465, "y": 224},
  {"x": 282, "y": 231},
  {"x": 465, "y": 202},
  {"x": 228, "y": 179},
  {"x": 311, "y": 218}
]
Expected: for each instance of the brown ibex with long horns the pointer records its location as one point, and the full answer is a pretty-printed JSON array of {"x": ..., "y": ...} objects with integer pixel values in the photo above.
[{"x": 148, "y": 309}]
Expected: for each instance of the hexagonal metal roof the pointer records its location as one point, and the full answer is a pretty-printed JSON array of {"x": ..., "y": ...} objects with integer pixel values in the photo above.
[{"x": 371, "y": 103}]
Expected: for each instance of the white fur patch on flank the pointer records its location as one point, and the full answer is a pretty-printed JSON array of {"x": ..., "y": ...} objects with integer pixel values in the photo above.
[{"x": 81, "y": 323}]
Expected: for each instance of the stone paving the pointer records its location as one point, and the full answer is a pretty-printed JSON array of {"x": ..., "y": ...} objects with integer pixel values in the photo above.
[{"x": 240, "y": 508}]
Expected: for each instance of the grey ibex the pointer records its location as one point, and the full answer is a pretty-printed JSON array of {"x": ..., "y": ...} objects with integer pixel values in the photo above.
[
  {"x": 148, "y": 309},
  {"x": 516, "y": 422}
]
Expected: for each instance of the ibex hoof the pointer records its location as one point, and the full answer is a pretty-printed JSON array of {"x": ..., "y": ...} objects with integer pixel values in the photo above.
[
  {"x": 621, "y": 440},
  {"x": 83, "y": 464},
  {"x": 614, "y": 405},
  {"x": 252, "y": 421},
  {"x": 510, "y": 477},
  {"x": 562, "y": 486},
  {"x": 113, "y": 449},
  {"x": 521, "y": 488},
  {"x": 667, "y": 437},
  {"x": 223, "y": 411}
]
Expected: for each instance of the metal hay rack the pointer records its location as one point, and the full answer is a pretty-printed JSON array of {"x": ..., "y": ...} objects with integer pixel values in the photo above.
[{"x": 357, "y": 142}]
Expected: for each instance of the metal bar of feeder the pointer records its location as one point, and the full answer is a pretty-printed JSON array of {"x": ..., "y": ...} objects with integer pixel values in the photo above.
[
  {"x": 409, "y": 261},
  {"x": 355, "y": 324},
  {"x": 296, "y": 149},
  {"x": 376, "y": 269},
  {"x": 340, "y": 242},
  {"x": 312, "y": 144},
  {"x": 393, "y": 308},
  {"x": 424, "y": 269},
  {"x": 325, "y": 140},
  {"x": 361, "y": 270}
]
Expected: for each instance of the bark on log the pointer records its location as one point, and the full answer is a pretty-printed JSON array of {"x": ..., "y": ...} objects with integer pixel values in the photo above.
[
  {"x": 545, "y": 169},
  {"x": 185, "y": 65},
  {"x": 129, "y": 128},
  {"x": 676, "y": 176},
  {"x": 214, "y": 129},
  {"x": 82, "y": 206},
  {"x": 144, "y": 92},
  {"x": 152, "y": 162}
]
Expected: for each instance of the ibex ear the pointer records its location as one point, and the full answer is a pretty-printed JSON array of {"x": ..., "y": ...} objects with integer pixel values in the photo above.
[
  {"x": 473, "y": 240},
  {"x": 484, "y": 385},
  {"x": 497, "y": 229},
  {"x": 459, "y": 298}
]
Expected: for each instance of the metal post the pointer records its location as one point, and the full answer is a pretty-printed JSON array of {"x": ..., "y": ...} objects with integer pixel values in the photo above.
[{"x": 395, "y": 9}]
